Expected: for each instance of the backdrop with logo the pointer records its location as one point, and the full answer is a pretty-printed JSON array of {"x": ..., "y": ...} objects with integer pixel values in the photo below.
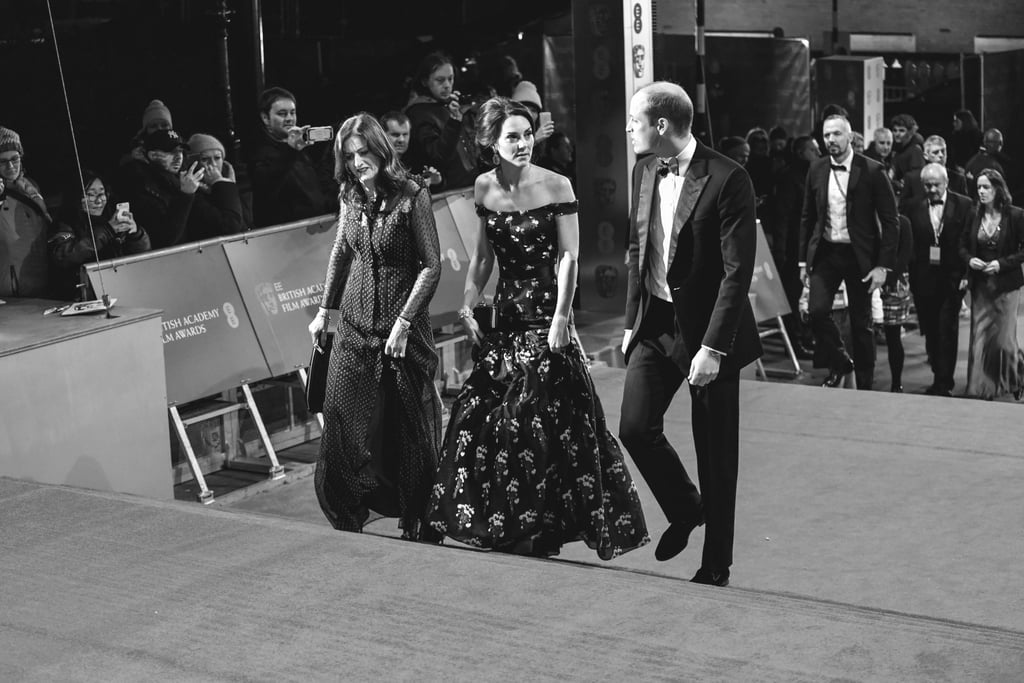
[{"x": 770, "y": 298}]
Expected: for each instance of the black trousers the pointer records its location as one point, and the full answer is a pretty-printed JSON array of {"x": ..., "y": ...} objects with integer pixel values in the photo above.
[
  {"x": 652, "y": 380},
  {"x": 835, "y": 263},
  {"x": 938, "y": 313}
]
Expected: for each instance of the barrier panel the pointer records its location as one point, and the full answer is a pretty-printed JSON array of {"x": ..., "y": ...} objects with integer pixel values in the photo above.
[
  {"x": 209, "y": 341},
  {"x": 771, "y": 300},
  {"x": 280, "y": 275}
]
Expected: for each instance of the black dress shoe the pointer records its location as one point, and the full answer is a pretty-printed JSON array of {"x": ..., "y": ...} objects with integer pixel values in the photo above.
[
  {"x": 896, "y": 389},
  {"x": 835, "y": 377},
  {"x": 934, "y": 390},
  {"x": 802, "y": 352},
  {"x": 1017, "y": 395},
  {"x": 675, "y": 538},
  {"x": 711, "y": 578}
]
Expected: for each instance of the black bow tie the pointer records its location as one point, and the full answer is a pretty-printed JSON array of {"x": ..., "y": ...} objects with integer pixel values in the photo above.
[
  {"x": 838, "y": 167},
  {"x": 935, "y": 202},
  {"x": 666, "y": 166}
]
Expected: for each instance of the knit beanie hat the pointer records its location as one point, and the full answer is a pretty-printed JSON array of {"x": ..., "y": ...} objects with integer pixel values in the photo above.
[
  {"x": 200, "y": 142},
  {"x": 526, "y": 92},
  {"x": 10, "y": 141},
  {"x": 156, "y": 111}
]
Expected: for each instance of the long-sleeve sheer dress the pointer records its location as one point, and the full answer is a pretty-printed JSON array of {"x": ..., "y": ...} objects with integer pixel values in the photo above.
[{"x": 382, "y": 415}]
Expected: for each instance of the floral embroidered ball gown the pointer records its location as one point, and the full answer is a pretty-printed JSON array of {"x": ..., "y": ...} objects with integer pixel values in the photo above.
[{"x": 528, "y": 462}]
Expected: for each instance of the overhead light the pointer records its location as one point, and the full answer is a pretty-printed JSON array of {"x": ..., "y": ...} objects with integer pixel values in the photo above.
[
  {"x": 520, "y": 36},
  {"x": 896, "y": 64}
]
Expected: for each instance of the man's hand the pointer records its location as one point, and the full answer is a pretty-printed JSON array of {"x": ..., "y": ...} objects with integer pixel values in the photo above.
[
  {"x": 704, "y": 368},
  {"x": 875, "y": 278},
  {"x": 295, "y": 140},
  {"x": 192, "y": 177},
  {"x": 976, "y": 264},
  {"x": 626, "y": 334},
  {"x": 992, "y": 267}
]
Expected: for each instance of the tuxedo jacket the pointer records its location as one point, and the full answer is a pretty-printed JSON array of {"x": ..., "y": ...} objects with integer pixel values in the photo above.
[
  {"x": 913, "y": 188},
  {"x": 957, "y": 213},
  {"x": 711, "y": 269},
  {"x": 871, "y": 216},
  {"x": 1010, "y": 247}
]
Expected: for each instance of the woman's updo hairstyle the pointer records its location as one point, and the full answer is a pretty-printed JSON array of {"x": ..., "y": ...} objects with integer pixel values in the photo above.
[{"x": 493, "y": 114}]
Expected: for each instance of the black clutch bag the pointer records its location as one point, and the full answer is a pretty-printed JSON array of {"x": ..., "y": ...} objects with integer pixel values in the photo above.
[
  {"x": 486, "y": 317},
  {"x": 316, "y": 380}
]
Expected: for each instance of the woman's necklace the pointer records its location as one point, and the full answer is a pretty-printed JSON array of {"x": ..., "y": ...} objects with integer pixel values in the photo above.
[{"x": 990, "y": 223}]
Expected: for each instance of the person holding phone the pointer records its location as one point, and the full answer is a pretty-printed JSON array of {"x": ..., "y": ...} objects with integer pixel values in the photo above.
[
  {"x": 382, "y": 412},
  {"x": 287, "y": 184},
  {"x": 217, "y": 209},
  {"x": 91, "y": 228},
  {"x": 528, "y": 462},
  {"x": 161, "y": 189}
]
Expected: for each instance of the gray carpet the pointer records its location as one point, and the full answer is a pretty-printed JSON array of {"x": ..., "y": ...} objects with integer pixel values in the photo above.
[{"x": 102, "y": 587}]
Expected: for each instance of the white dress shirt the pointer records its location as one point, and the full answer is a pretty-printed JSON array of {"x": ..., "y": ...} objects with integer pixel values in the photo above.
[
  {"x": 935, "y": 212},
  {"x": 837, "y": 183},
  {"x": 662, "y": 239}
]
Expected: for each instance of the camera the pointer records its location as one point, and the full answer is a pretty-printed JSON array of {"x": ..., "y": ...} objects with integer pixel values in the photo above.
[{"x": 317, "y": 134}]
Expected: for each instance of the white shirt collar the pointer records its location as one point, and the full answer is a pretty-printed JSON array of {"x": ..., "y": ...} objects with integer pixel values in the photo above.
[{"x": 847, "y": 162}]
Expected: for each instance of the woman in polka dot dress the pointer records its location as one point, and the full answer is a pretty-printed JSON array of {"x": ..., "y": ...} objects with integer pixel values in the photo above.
[
  {"x": 528, "y": 463},
  {"x": 382, "y": 412}
]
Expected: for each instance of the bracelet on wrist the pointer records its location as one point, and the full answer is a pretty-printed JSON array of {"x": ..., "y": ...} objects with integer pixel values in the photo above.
[{"x": 465, "y": 312}]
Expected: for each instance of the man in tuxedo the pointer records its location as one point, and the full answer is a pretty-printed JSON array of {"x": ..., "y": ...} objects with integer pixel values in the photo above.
[
  {"x": 938, "y": 220},
  {"x": 849, "y": 233},
  {"x": 913, "y": 188},
  {"x": 688, "y": 317}
]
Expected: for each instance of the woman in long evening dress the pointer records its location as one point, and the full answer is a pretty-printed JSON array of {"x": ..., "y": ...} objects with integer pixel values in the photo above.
[
  {"x": 382, "y": 412},
  {"x": 993, "y": 248},
  {"x": 528, "y": 463}
]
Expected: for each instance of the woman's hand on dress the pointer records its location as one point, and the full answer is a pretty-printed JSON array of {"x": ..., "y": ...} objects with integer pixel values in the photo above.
[
  {"x": 558, "y": 333},
  {"x": 318, "y": 328},
  {"x": 976, "y": 263},
  {"x": 992, "y": 267},
  {"x": 395, "y": 345},
  {"x": 472, "y": 329}
]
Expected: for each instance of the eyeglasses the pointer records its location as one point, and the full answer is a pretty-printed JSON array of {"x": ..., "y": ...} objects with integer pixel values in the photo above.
[
  {"x": 13, "y": 161},
  {"x": 95, "y": 197}
]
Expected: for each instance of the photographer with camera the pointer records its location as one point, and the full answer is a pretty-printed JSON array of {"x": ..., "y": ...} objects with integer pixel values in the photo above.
[
  {"x": 217, "y": 208},
  {"x": 440, "y": 138},
  {"x": 113, "y": 225},
  {"x": 286, "y": 183}
]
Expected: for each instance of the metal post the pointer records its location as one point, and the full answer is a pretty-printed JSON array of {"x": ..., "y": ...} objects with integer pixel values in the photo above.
[
  {"x": 224, "y": 18},
  {"x": 259, "y": 56},
  {"x": 702, "y": 117},
  {"x": 276, "y": 470},
  {"x": 205, "y": 495}
]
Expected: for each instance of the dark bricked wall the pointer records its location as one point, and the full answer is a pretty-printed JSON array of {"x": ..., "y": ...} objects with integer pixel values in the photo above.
[{"x": 813, "y": 18}]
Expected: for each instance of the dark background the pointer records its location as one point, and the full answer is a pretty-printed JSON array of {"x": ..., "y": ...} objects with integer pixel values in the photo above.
[{"x": 336, "y": 56}]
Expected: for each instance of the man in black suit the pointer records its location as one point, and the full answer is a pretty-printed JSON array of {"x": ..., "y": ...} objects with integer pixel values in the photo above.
[
  {"x": 688, "y": 317},
  {"x": 938, "y": 220},
  {"x": 849, "y": 233},
  {"x": 913, "y": 189}
]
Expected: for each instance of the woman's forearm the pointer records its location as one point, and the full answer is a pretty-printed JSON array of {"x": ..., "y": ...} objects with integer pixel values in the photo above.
[{"x": 567, "y": 269}]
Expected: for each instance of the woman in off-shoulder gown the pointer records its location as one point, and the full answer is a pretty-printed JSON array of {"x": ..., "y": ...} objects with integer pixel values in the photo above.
[{"x": 528, "y": 463}]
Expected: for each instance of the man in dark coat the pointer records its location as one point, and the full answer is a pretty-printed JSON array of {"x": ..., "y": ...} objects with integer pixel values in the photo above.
[{"x": 688, "y": 317}]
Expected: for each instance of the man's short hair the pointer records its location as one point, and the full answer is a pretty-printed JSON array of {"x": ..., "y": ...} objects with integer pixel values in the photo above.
[
  {"x": 393, "y": 115},
  {"x": 935, "y": 141},
  {"x": 903, "y": 121},
  {"x": 271, "y": 95},
  {"x": 667, "y": 100},
  {"x": 838, "y": 117},
  {"x": 883, "y": 129}
]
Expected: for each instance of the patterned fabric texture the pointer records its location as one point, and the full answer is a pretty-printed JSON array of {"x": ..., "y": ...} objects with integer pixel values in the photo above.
[
  {"x": 382, "y": 415},
  {"x": 528, "y": 462}
]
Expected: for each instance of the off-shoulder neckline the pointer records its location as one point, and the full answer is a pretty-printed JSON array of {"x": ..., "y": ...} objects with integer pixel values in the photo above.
[{"x": 552, "y": 207}]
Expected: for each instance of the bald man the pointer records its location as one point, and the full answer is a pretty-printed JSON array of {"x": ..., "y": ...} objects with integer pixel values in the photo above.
[
  {"x": 849, "y": 233},
  {"x": 988, "y": 156},
  {"x": 692, "y": 240},
  {"x": 938, "y": 219}
]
